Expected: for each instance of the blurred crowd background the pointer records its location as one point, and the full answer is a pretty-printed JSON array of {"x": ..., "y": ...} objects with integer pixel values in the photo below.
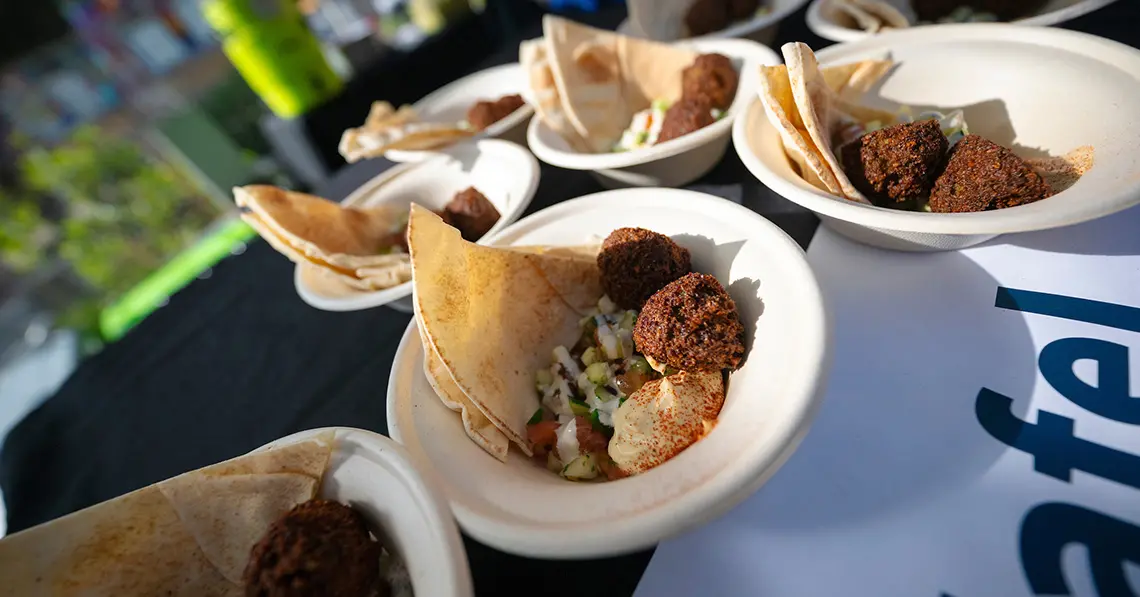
[{"x": 125, "y": 123}]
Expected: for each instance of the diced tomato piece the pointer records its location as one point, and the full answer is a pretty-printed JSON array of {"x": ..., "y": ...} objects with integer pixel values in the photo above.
[
  {"x": 542, "y": 435},
  {"x": 590, "y": 440}
]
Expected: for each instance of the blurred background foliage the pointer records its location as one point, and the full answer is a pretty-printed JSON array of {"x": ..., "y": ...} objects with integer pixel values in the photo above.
[{"x": 105, "y": 209}]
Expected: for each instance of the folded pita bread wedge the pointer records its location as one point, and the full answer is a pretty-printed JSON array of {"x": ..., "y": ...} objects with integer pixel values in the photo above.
[
  {"x": 817, "y": 105},
  {"x": 388, "y": 129},
  {"x": 807, "y": 105},
  {"x": 493, "y": 316},
  {"x": 871, "y": 16},
  {"x": 356, "y": 244},
  {"x": 185, "y": 537},
  {"x": 544, "y": 93},
  {"x": 602, "y": 79}
]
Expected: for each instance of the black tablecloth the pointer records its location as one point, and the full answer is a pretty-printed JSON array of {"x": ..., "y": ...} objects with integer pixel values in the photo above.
[{"x": 236, "y": 360}]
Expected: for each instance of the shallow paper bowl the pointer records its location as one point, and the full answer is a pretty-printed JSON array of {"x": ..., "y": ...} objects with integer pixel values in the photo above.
[
  {"x": 760, "y": 29},
  {"x": 374, "y": 475},
  {"x": 1029, "y": 88},
  {"x": 504, "y": 172},
  {"x": 451, "y": 102},
  {"x": 672, "y": 163},
  {"x": 825, "y": 20},
  {"x": 522, "y": 508}
]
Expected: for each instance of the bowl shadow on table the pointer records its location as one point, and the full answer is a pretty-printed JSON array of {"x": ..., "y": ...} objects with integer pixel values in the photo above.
[
  {"x": 898, "y": 426},
  {"x": 1113, "y": 236}
]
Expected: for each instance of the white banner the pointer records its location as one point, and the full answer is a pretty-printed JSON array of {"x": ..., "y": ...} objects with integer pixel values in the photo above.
[{"x": 980, "y": 436}]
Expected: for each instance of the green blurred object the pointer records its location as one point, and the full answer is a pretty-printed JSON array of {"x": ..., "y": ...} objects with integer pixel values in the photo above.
[
  {"x": 115, "y": 217},
  {"x": 431, "y": 16},
  {"x": 270, "y": 44},
  {"x": 150, "y": 294}
]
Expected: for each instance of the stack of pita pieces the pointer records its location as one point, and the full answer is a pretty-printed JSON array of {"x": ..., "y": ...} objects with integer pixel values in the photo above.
[
  {"x": 586, "y": 84},
  {"x": 187, "y": 536},
  {"x": 872, "y": 16},
  {"x": 809, "y": 105},
  {"x": 387, "y": 129},
  {"x": 340, "y": 250}
]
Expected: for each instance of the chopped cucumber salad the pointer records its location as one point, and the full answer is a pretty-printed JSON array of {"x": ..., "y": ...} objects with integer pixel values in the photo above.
[
  {"x": 646, "y": 127},
  {"x": 581, "y": 390}
]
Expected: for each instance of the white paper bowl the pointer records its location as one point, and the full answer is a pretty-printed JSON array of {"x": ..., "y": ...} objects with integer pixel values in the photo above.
[
  {"x": 451, "y": 102},
  {"x": 522, "y": 508},
  {"x": 1061, "y": 90},
  {"x": 672, "y": 163},
  {"x": 761, "y": 29},
  {"x": 374, "y": 475},
  {"x": 824, "y": 19},
  {"x": 504, "y": 172}
]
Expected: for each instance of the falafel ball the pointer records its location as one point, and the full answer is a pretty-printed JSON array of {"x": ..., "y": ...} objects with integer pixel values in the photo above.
[
  {"x": 982, "y": 175},
  {"x": 635, "y": 263},
  {"x": 898, "y": 163},
  {"x": 706, "y": 16},
  {"x": 691, "y": 325},
  {"x": 711, "y": 78},
  {"x": 738, "y": 10},
  {"x": 471, "y": 213},
  {"x": 683, "y": 117},
  {"x": 319, "y": 547},
  {"x": 485, "y": 113}
]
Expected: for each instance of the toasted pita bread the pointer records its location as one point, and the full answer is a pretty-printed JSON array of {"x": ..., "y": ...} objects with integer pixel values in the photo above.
[
  {"x": 817, "y": 105},
  {"x": 185, "y": 537},
  {"x": 228, "y": 515},
  {"x": 544, "y": 93},
  {"x": 493, "y": 316},
  {"x": 871, "y": 16},
  {"x": 387, "y": 129},
  {"x": 353, "y": 243},
  {"x": 601, "y": 79}
]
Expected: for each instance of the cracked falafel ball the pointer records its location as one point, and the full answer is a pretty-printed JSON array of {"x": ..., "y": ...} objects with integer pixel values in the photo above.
[{"x": 692, "y": 325}]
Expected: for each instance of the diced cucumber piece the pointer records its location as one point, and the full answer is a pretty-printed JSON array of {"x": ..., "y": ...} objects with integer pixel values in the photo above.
[
  {"x": 536, "y": 417},
  {"x": 660, "y": 105},
  {"x": 640, "y": 365},
  {"x": 598, "y": 373},
  {"x": 582, "y": 468},
  {"x": 603, "y": 394},
  {"x": 628, "y": 319},
  {"x": 605, "y": 305},
  {"x": 578, "y": 407},
  {"x": 543, "y": 378},
  {"x": 589, "y": 357}
]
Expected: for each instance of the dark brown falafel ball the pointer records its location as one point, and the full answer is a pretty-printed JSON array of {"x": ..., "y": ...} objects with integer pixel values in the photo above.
[
  {"x": 898, "y": 163},
  {"x": 691, "y": 325},
  {"x": 485, "y": 113},
  {"x": 471, "y": 213},
  {"x": 710, "y": 78},
  {"x": 684, "y": 117},
  {"x": 738, "y": 10},
  {"x": 706, "y": 16},
  {"x": 635, "y": 263},
  {"x": 319, "y": 548},
  {"x": 982, "y": 175}
]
